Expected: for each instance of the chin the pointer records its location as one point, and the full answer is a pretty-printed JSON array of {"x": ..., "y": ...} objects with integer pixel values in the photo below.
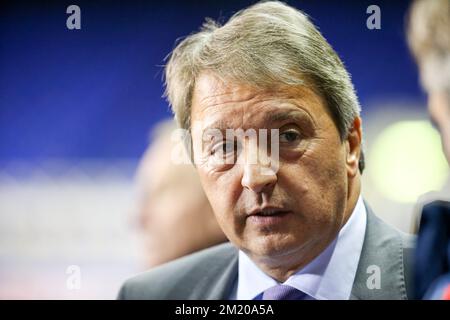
[{"x": 275, "y": 245}]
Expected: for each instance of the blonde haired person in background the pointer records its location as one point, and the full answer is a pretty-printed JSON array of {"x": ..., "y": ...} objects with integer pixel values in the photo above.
[{"x": 429, "y": 39}]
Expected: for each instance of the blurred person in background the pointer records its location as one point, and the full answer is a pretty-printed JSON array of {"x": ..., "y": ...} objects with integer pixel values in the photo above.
[
  {"x": 429, "y": 40},
  {"x": 174, "y": 214}
]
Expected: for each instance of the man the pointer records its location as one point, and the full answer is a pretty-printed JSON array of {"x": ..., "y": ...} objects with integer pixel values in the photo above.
[
  {"x": 190, "y": 218},
  {"x": 429, "y": 40},
  {"x": 298, "y": 226}
]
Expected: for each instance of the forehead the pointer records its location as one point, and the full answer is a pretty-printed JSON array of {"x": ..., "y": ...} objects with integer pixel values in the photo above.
[{"x": 233, "y": 104}]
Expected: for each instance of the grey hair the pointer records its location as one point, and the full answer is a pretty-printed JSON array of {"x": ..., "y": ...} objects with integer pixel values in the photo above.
[{"x": 265, "y": 44}]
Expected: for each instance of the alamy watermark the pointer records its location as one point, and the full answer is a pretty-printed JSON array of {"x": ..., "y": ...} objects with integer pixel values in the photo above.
[
  {"x": 73, "y": 21},
  {"x": 217, "y": 148},
  {"x": 373, "y": 22},
  {"x": 73, "y": 281},
  {"x": 374, "y": 280}
]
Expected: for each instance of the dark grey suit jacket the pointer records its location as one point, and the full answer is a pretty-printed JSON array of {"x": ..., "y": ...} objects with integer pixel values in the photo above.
[{"x": 211, "y": 273}]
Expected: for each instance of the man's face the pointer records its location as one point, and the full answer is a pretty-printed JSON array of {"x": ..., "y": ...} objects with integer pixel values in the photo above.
[{"x": 307, "y": 193}]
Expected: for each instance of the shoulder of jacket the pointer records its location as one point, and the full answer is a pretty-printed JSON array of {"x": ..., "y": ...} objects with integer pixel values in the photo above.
[{"x": 161, "y": 281}]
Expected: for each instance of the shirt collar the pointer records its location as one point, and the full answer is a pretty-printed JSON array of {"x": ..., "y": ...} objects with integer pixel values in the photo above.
[{"x": 329, "y": 276}]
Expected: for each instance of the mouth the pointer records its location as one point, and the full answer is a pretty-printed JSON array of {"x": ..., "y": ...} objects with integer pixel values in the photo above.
[
  {"x": 268, "y": 216},
  {"x": 267, "y": 212}
]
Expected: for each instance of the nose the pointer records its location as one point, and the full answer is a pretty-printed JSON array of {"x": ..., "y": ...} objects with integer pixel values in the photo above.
[{"x": 258, "y": 178}]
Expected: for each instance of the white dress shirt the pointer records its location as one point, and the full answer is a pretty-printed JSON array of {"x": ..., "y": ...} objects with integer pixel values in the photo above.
[{"x": 329, "y": 276}]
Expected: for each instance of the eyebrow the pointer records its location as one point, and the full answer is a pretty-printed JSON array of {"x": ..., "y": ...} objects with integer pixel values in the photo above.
[
  {"x": 287, "y": 115},
  {"x": 269, "y": 118}
]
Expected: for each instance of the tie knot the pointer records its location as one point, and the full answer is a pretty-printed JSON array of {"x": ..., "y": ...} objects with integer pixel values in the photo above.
[{"x": 283, "y": 292}]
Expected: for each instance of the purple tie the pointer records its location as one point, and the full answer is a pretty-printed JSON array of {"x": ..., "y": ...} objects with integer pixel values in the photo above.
[{"x": 283, "y": 292}]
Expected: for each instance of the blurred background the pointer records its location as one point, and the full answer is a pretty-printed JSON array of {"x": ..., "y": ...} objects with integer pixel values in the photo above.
[{"x": 77, "y": 107}]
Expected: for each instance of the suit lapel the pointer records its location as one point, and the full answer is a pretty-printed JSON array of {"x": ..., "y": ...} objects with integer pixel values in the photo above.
[
  {"x": 221, "y": 290},
  {"x": 219, "y": 276},
  {"x": 381, "y": 259}
]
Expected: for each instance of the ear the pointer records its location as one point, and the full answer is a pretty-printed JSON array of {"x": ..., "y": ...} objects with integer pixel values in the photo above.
[{"x": 353, "y": 147}]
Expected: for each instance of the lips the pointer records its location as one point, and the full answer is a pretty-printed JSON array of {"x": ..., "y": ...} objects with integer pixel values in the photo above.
[
  {"x": 267, "y": 211},
  {"x": 269, "y": 217}
]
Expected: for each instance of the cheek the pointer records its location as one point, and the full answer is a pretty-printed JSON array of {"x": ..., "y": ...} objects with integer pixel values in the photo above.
[
  {"x": 222, "y": 190},
  {"x": 330, "y": 175},
  {"x": 317, "y": 181}
]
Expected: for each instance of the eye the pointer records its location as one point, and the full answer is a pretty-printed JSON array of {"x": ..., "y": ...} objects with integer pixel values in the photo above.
[
  {"x": 223, "y": 147},
  {"x": 289, "y": 136}
]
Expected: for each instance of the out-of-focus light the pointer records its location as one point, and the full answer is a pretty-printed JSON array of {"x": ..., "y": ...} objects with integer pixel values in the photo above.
[{"x": 406, "y": 161}]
